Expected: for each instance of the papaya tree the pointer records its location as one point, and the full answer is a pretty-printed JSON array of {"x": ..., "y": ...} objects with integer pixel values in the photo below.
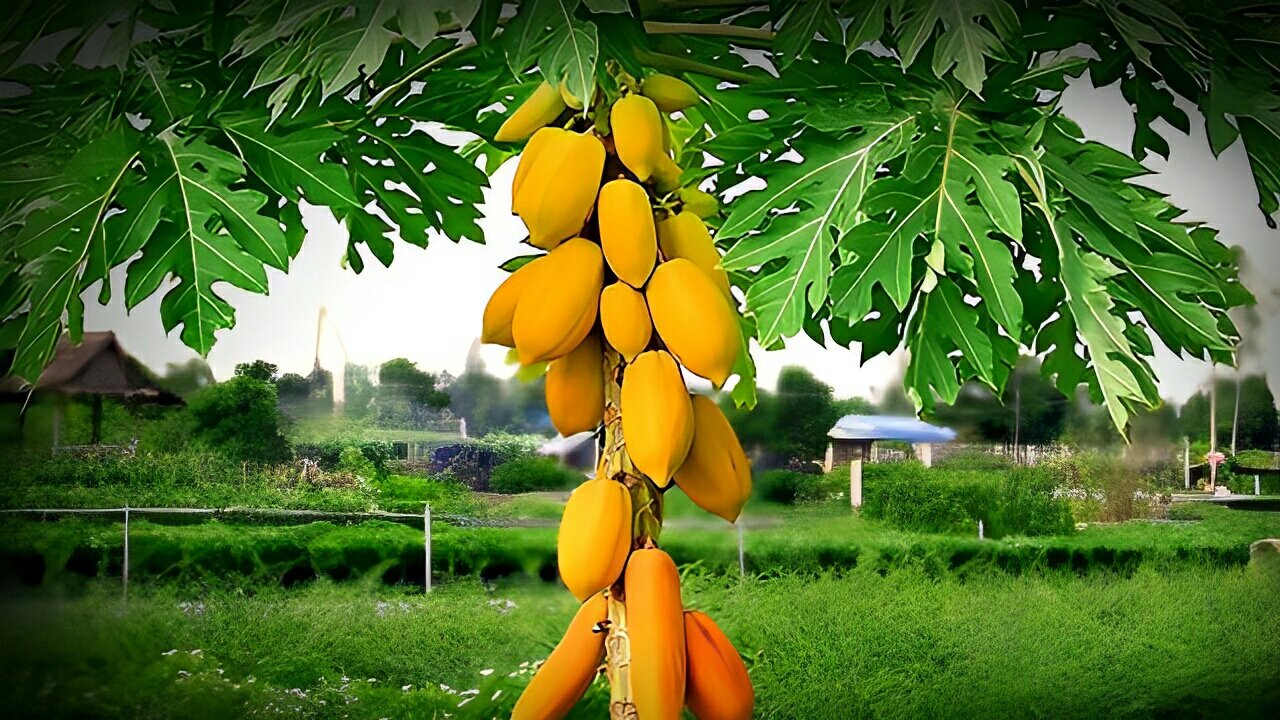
[{"x": 895, "y": 173}]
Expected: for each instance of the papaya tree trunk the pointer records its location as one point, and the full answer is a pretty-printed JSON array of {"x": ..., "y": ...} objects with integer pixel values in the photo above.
[{"x": 646, "y": 504}]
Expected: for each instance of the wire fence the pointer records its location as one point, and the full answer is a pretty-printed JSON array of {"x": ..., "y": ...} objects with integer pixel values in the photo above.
[{"x": 423, "y": 520}]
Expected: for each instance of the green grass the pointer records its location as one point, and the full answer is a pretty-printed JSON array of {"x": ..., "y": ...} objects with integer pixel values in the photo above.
[
  {"x": 1194, "y": 641},
  {"x": 324, "y": 428}
]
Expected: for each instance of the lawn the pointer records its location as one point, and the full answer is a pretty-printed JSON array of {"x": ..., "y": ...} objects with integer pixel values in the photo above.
[{"x": 1192, "y": 641}]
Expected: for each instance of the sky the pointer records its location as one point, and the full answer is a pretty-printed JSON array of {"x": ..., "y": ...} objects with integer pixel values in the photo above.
[{"x": 427, "y": 306}]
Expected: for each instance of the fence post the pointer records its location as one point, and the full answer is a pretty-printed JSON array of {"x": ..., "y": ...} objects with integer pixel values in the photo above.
[
  {"x": 742, "y": 563},
  {"x": 1186, "y": 463},
  {"x": 1257, "y": 484},
  {"x": 126, "y": 553},
  {"x": 980, "y": 531},
  {"x": 426, "y": 547}
]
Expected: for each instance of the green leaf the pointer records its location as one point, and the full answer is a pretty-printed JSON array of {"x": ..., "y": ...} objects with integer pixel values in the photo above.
[
  {"x": 829, "y": 184},
  {"x": 881, "y": 257},
  {"x": 571, "y": 59},
  {"x": 63, "y": 248},
  {"x": 609, "y": 6},
  {"x": 866, "y": 24},
  {"x": 537, "y": 24},
  {"x": 744, "y": 390},
  {"x": 291, "y": 164},
  {"x": 802, "y": 22},
  {"x": 964, "y": 43},
  {"x": 1120, "y": 377},
  {"x": 211, "y": 232}
]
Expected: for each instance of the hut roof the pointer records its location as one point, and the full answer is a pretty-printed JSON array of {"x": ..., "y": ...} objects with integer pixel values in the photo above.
[
  {"x": 97, "y": 366},
  {"x": 889, "y": 427}
]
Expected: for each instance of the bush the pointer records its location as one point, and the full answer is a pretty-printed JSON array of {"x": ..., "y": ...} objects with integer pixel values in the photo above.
[
  {"x": 532, "y": 474},
  {"x": 1100, "y": 487},
  {"x": 974, "y": 459},
  {"x": 354, "y": 462},
  {"x": 509, "y": 446},
  {"x": 778, "y": 486},
  {"x": 328, "y": 454},
  {"x": 909, "y": 496},
  {"x": 241, "y": 419}
]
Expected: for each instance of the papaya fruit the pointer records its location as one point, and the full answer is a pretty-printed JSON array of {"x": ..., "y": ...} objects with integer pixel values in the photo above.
[
  {"x": 637, "y": 134},
  {"x": 568, "y": 671},
  {"x": 655, "y": 625},
  {"x": 684, "y": 235},
  {"x": 501, "y": 308},
  {"x": 594, "y": 537},
  {"x": 556, "y": 184},
  {"x": 625, "y": 319},
  {"x": 668, "y": 93},
  {"x": 717, "y": 686},
  {"x": 543, "y": 106},
  {"x": 627, "y": 233},
  {"x": 700, "y": 203},
  {"x": 657, "y": 415},
  {"x": 575, "y": 388},
  {"x": 558, "y": 306},
  {"x": 692, "y": 317},
  {"x": 666, "y": 174},
  {"x": 716, "y": 474}
]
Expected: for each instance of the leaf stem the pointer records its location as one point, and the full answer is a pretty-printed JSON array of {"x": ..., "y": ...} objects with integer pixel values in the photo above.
[
  {"x": 671, "y": 62},
  {"x": 409, "y": 77},
  {"x": 722, "y": 29}
]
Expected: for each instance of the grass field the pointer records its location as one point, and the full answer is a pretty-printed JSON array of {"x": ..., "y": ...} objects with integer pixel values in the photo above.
[{"x": 1188, "y": 642}]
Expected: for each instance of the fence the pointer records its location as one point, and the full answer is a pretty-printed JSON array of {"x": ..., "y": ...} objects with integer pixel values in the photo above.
[{"x": 413, "y": 519}]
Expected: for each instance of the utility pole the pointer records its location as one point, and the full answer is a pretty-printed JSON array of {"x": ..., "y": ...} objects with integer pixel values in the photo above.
[
  {"x": 1017, "y": 413},
  {"x": 1213, "y": 426},
  {"x": 1235, "y": 416}
]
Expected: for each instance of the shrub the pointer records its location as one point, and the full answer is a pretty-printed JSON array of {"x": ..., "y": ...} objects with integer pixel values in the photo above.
[
  {"x": 241, "y": 419},
  {"x": 909, "y": 496},
  {"x": 974, "y": 459},
  {"x": 532, "y": 474},
  {"x": 328, "y": 454},
  {"x": 354, "y": 462},
  {"x": 1102, "y": 487},
  {"x": 510, "y": 446},
  {"x": 779, "y": 486}
]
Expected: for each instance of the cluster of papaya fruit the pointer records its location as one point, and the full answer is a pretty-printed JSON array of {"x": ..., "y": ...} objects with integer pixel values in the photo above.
[{"x": 628, "y": 292}]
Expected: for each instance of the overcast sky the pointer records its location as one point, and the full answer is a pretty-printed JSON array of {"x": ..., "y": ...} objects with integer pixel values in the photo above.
[{"x": 427, "y": 305}]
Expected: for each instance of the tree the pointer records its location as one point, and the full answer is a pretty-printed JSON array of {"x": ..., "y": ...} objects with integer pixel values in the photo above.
[
  {"x": 241, "y": 418},
  {"x": 1030, "y": 411},
  {"x": 915, "y": 181},
  {"x": 186, "y": 378},
  {"x": 976, "y": 167},
  {"x": 1258, "y": 425},
  {"x": 358, "y": 390},
  {"x": 407, "y": 395},
  {"x": 260, "y": 370},
  {"x": 804, "y": 413}
]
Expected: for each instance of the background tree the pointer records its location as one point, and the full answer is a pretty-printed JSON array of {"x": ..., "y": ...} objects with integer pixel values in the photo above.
[
  {"x": 979, "y": 415},
  {"x": 912, "y": 156},
  {"x": 260, "y": 370},
  {"x": 407, "y": 396},
  {"x": 359, "y": 391},
  {"x": 793, "y": 422},
  {"x": 1258, "y": 426},
  {"x": 240, "y": 418},
  {"x": 183, "y": 379}
]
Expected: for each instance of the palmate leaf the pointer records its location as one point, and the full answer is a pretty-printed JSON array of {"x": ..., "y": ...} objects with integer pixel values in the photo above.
[
  {"x": 291, "y": 162},
  {"x": 804, "y": 20},
  {"x": 944, "y": 324},
  {"x": 571, "y": 58},
  {"x": 964, "y": 43},
  {"x": 208, "y": 232},
  {"x": 828, "y": 186},
  {"x": 63, "y": 248}
]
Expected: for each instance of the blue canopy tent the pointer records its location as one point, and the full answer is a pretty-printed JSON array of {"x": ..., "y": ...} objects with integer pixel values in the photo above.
[{"x": 853, "y": 436}]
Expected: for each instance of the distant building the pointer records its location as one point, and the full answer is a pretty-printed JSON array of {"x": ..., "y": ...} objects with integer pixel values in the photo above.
[{"x": 854, "y": 436}]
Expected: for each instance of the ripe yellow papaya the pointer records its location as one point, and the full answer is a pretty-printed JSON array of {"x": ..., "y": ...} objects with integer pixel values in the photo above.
[
  {"x": 627, "y": 234},
  {"x": 568, "y": 671},
  {"x": 716, "y": 475},
  {"x": 655, "y": 625},
  {"x": 684, "y": 235},
  {"x": 558, "y": 306},
  {"x": 717, "y": 685},
  {"x": 575, "y": 388},
  {"x": 496, "y": 323},
  {"x": 625, "y": 319},
  {"x": 637, "y": 134},
  {"x": 702, "y": 204},
  {"x": 543, "y": 106},
  {"x": 657, "y": 415},
  {"x": 666, "y": 174},
  {"x": 557, "y": 189},
  {"x": 668, "y": 93},
  {"x": 693, "y": 318},
  {"x": 595, "y": 536}
]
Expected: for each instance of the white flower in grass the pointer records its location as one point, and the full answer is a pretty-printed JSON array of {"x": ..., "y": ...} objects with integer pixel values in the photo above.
[
  {"x": 405, "y": 688},
  {"x": 486, "y": 672},
  {"x": 171, "y": 652}
]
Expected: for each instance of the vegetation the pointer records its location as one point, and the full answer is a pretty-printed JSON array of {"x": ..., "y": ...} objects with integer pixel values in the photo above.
[
  {"x": 1080, "y": 646},
  {"x": 531, "y": 474}
]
